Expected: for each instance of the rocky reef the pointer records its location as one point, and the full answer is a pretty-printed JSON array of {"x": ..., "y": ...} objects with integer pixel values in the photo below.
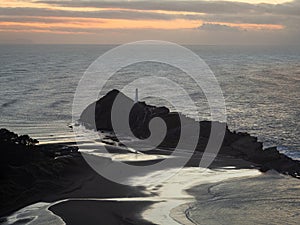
[{"x": 240, "y": 145}]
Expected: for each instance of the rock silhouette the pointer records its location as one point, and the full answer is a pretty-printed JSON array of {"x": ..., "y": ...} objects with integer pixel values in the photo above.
[
  {"x": 27, "y": 170},
  {"x": 240, "y": 145}
]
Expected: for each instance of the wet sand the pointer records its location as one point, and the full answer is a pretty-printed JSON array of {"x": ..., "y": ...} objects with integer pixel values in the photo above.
[
  {"x": 154, "y": 206},
  {"x": 77, "y": 180},
  {"x": 266, "y": 199},
  {"x": 188, "y": 197},
  {"x": 101, "y": 212}
]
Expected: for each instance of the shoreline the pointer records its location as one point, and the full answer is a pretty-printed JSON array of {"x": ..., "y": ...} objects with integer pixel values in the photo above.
[
  {"x": 142, "y": 210},
  {"x": 76, "y": 180},
  {"x": 73, "y": 186},
  {"x": 175, "y": 195},
  {"x": 246, "y": 201},
  {"x": 166, "y": 203},
  {"x": 82, "y": 184}
]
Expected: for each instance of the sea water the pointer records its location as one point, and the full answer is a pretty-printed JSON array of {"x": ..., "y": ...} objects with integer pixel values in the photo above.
[{"x": 261, "y": 86}]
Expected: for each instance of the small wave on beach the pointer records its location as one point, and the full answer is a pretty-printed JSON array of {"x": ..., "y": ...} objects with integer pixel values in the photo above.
[
  {"x": 175, "y": 198},
  {"x": 267, "y": 199}
]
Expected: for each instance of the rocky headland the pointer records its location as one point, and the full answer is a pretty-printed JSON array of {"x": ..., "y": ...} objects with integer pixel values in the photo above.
[{"x": 235, "y": 144}]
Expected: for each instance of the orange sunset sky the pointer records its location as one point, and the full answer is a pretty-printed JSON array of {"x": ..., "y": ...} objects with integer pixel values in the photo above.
[{"x": 185, "y": 22}]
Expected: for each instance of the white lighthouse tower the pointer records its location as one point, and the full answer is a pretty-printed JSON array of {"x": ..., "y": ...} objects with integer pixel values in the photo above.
[{"x": 136, "y": 99}]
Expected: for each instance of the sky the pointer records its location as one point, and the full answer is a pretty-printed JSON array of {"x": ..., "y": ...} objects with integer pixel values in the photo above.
[{"x": 208, "y": 22}]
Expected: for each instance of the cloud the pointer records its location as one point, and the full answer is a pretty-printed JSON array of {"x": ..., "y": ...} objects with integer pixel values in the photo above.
[
  {"x": 145, "y": 14},
  {"x": 286, "y": 14},
  {"x": 108, "y": 14},
  {"x": 186, "y": 6},
  {"x": 215, "y": 16},
  {"x": 217, "y": 27},
  {"x": 208, "y": 7}
]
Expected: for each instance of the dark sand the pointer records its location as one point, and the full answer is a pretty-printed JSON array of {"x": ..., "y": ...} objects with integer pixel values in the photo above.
[
  {"x": 78, "y": 180},
  {"x": 100, "y": 212},
  {"x": 86, "y": 183}
]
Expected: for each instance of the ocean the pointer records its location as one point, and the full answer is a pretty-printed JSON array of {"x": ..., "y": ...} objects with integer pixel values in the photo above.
[{"x": 260, "y": 84}]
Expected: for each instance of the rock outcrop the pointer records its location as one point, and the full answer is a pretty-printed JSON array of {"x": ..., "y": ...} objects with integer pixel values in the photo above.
[
  {"x": 28, "y": 170},
  {"x": 240, "y": 145}
]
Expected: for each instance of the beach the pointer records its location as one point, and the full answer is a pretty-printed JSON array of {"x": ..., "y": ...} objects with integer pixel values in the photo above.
[
  {"x": 167, "y": 202},
  {"x": 265, "y": 199},
  {"x": 86, "y": 196},
  {"x": 174, "y": 201},
  {"x": 90, "y": 197}
]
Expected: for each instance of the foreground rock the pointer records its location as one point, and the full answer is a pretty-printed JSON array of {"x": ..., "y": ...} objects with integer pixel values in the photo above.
[
  {"x": 27, "y": 170},
  {"x": 239, "y": 145}
]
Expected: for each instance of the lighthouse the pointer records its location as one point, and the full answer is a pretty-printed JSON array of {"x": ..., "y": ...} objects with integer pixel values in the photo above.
[{"x": 136, "y": 99}]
